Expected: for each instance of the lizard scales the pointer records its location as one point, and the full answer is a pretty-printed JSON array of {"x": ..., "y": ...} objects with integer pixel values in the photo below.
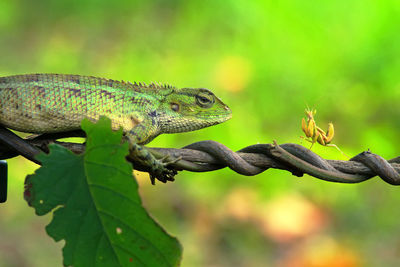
[{"x": 46, "y": 103}]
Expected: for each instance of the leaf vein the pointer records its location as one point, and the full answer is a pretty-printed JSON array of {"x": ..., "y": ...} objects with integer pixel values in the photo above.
[
  {"x": 107, "y": 165},
  {"x": 115, "y": 192}
]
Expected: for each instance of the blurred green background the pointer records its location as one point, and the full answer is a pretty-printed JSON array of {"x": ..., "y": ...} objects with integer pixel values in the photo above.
[{"x": 267, "y": 60}]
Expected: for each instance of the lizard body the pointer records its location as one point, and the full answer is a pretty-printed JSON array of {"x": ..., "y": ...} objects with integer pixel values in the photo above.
[{"x": 48, "y": 103}]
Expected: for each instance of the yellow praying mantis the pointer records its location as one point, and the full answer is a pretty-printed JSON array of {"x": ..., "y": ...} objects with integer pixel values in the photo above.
[{"x": 315, "y": 134}]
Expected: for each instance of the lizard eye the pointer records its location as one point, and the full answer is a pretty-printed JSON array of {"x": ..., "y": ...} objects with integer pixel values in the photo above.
[
  {"x": 205, "y": 99},
  {"x": 175, "y": 107}
]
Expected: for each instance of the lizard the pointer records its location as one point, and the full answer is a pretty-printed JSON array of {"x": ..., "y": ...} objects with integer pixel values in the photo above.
[{"x": 53, "y": 103}]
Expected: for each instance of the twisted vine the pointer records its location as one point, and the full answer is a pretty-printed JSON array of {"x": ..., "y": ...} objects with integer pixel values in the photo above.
[{"x": 210, "y": 155}]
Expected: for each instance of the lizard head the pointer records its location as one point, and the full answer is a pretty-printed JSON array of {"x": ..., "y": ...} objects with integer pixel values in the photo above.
[{"x": 189, "y": 109}]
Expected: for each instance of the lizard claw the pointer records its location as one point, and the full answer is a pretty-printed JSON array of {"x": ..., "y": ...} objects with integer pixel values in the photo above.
[
  {"x": 164, "y": 176},
  {"x": 158, "y": 167},
  {"x": 161, "y": 172}
]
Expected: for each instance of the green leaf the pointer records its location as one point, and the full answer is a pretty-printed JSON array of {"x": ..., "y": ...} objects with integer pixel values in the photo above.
[{"x": 98, "y": 211}]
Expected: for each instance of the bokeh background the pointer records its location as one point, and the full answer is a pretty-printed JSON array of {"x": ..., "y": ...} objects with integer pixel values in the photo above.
[{"x": 267, "y": 60}]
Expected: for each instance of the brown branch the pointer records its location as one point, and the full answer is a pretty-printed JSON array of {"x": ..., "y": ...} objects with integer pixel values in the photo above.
[{"x": 210, "y": 155}]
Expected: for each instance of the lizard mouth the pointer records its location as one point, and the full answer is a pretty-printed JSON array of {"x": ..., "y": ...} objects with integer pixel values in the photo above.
[
  {"x": 224, "y": 115},
  {"x": 197, "y": 122}
]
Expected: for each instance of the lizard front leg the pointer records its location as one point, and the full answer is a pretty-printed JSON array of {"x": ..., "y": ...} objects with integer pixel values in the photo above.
[{"x": 158, "y": 168}]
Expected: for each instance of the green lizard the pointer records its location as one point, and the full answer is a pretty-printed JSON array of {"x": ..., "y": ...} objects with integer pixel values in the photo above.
[{"x": 49, "y": 103}]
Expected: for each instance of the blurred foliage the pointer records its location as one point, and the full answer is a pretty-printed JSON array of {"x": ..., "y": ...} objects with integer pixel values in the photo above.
[{"x": 267, "y": 60}]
